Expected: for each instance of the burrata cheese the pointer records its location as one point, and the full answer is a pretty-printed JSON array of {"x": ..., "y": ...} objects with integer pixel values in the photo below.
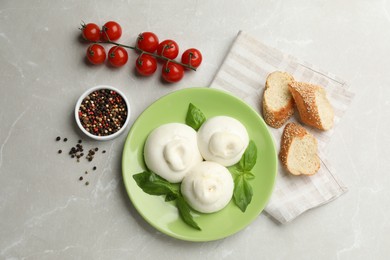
[
  {"x": 208, "y": 187},
  {"x": 222, "y": 139},
  {"x": 171, "y": 150}
]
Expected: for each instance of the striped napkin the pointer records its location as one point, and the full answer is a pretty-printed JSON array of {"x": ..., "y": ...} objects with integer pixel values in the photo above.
[{"x": 243, "y": 73}]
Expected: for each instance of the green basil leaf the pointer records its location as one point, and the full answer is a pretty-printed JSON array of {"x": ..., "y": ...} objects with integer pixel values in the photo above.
[
  {"x": 171, "y": 197},
  {"x": 185, "y": 213},
  {"x": 242, "y": 193},
  {"x": 235, "y": 170},
  {"x": 248, "y": 176},
  {"x": 248, "y": 159},
  {"x": 195, "y": 118},
  {"x": 152, "y": 184}
]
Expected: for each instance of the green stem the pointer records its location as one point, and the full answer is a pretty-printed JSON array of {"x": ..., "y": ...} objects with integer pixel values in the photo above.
[{"x": 149, "y": 53}]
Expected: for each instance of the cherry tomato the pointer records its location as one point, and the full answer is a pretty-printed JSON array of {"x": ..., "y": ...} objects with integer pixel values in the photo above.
[
  {"x": 168, "y": 49},
  {"x": 172, "y": 72},
  {"x": 111, "y": 31},
  {"x": 147, "y": 41},
  {"x": 146, "y": 64},
  {"x": 117, "y": 56},
  {"x": 96, "y": 54},
  {"x": 90, "y": 32},
  {"x": 192, "y": 57}
]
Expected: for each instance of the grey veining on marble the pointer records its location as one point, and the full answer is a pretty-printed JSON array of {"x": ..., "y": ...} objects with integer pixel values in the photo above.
[{"x": 47, "y": 213}]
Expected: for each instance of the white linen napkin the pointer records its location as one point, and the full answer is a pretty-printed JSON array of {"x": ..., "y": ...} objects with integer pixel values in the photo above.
[{"x": 243, "y": 73}]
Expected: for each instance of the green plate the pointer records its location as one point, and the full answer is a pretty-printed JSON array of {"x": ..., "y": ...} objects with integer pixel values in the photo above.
[{"x": 173, "y": 108}]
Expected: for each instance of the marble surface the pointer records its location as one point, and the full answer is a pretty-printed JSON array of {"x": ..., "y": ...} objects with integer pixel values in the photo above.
[{"x": 47, "y": 213}]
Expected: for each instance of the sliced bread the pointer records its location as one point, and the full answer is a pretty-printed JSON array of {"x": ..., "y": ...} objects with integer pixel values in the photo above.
[
  {"x": 298, "y": 150},
  {"x": 313, "y": 106},
  {"x": 278, "y": 103}
]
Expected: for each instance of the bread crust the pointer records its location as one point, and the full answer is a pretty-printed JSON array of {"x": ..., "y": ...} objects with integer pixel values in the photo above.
[
  {"x": 291, "y": 132},
  {"x": 277, "y": 118},
  {"x": 304, "y": 95}
]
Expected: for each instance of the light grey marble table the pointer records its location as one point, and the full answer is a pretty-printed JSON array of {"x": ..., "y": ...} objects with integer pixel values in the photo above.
[{"x": 47, "y": 213}]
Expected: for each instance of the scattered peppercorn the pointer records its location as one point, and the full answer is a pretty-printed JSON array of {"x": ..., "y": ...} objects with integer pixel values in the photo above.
[
  {"x": 90, "y": 155},
  {"x": 77, "y": 152},
  {"x": 103, "y": 112}
]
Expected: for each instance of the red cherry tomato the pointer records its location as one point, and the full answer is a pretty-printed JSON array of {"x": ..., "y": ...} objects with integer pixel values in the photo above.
[
  {"x": 111, "y": 31},
  {"x": 146, "y": 65},
  {"x": 91, "y": 32},
  {"x": 96, "y": 54},
  {"x": 172, "y": 72},
  {"x": 147, "y": 41},
  {"x": 117, "y": 56},
  {"x": 168, "y": 49},
  {"x": 192, "y": 57}
]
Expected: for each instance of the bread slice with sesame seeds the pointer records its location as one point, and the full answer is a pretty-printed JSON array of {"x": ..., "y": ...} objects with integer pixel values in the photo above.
[
  {"x": 298, "y": 150},
  {"x": 312, "y": 104},
  {"x": 278, "y": 103}
]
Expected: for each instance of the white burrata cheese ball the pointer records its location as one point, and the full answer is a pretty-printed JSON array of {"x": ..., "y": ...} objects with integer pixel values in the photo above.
[
  {"x": 222, "y": 139},
  {"x": 208, "y": 187},
  {"x": 171, "y": 150}
]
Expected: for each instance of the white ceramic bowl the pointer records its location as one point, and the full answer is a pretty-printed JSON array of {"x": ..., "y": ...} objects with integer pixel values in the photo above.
[{"x": 106, "y": 137}]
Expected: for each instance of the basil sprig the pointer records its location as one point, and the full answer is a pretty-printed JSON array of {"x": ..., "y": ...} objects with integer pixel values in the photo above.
[
  {"x": 195, "y": 118},
  {"x": 153, "y": 184},
  {"x": 185, "y": 212},
  {"x": 241, "y": 172}
]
